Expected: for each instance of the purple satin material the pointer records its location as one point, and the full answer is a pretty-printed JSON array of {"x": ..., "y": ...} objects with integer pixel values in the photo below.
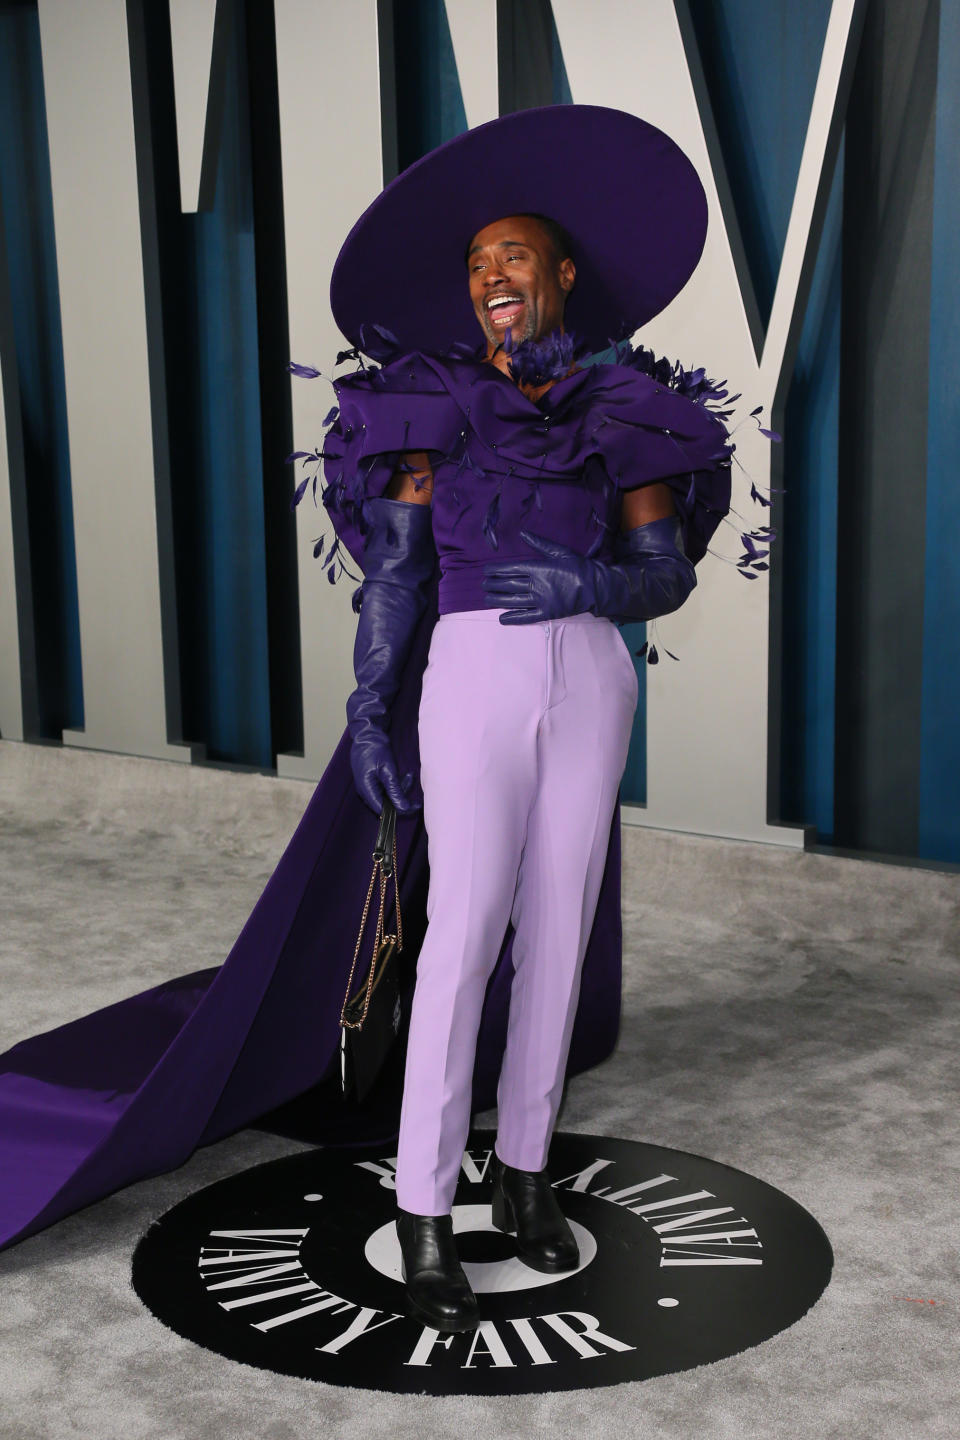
[
  {"x": 462, "y": 589},
  {"x": 132, "y": 1089}
]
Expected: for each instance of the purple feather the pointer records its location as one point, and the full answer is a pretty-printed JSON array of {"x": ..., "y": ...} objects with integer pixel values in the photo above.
[
  {"x": 536, "y": 362},
  {"x": 693, "y": 384},
  {"x": 378, "y": 342},
  {"x": 490, "y": 521},
  {"x": 463, "y": 350}
]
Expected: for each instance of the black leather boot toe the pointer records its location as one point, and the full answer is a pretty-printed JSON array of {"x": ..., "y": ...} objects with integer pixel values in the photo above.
[
  {"x": 525, "y": 1205},
  {"x": 438, "y": 1290}
]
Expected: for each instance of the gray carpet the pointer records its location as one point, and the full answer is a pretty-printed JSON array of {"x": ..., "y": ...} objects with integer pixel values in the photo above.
[{"x": 793, "y": 1015}]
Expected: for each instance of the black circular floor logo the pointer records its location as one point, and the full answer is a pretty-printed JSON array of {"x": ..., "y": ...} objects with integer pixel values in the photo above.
[{"x": 294, "y": 1266}]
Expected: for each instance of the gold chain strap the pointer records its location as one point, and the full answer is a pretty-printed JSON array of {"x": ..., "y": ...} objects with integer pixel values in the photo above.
[{"x": 378, "y": 938}]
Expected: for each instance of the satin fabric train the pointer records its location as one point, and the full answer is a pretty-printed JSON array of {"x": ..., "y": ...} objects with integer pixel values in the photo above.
[{"x": 131, "y": 1090}]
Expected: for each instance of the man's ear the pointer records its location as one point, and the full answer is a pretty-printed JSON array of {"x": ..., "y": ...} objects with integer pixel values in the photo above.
[{"x": 568, "y": 274}]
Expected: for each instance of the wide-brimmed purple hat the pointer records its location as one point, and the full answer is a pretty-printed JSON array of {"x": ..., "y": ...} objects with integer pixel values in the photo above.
[{"x": 628, "y": 195}]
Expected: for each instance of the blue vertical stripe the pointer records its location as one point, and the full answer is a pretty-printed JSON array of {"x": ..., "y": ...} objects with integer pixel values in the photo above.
[
  {"x": 633, "y": 786},
  {"x": 939, "y": 799},
  {"x": 810, "y": 545},
  {"x": 561, "y": 85},
  {"x": 228, "y": 703},
  {"x": 430, "y": 106}
]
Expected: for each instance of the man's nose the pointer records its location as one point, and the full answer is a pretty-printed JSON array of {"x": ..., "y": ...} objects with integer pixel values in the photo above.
[{"x": 495, "y": 275}]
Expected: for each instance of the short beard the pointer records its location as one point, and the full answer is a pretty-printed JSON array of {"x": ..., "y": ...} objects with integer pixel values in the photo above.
[{"x": 497, "y": 337}]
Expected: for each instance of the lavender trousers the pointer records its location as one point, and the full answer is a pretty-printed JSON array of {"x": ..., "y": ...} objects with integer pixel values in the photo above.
[{"x": 523, "y": 733}]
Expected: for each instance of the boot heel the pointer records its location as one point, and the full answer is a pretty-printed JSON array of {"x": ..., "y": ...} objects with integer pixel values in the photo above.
[{"x": 501, "y": 1212}]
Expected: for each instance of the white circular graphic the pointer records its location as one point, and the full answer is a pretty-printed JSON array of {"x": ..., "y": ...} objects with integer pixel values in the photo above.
[{"x": 488, "y": 1277}]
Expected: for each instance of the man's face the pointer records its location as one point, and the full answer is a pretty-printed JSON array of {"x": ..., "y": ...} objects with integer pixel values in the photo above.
[{"x": 517, "y": 282}]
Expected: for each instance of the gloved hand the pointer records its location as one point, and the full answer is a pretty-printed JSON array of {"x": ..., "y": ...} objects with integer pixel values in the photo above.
[
  {"x": 393, "y": 598},
  {"x": 650, "y": 576}
]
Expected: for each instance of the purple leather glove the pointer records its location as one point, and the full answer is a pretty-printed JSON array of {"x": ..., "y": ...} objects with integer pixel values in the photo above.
[
  {"x": 398, "y": 561},
  {"x": 650, "y": 575}
]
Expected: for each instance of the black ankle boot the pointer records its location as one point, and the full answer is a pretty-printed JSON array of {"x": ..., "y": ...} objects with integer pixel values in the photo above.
[
  {"x": 439, "y": 1291},
  {"x": 525, "y": 1205}
]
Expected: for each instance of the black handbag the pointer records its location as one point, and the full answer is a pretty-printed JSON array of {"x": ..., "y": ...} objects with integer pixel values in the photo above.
[{"x": 370, "y": 1017}]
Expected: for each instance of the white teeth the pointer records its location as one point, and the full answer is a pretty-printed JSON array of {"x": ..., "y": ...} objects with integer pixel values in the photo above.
[{"x": 503, "y": 300}]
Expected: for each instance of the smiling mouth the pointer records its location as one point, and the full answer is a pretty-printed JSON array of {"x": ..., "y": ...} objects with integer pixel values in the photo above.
[{"x": 502, "y": 310}]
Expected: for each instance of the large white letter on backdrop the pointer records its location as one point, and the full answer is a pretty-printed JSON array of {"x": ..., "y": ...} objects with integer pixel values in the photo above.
[
  {"x": 707, "y": 716},
  {"x": 330, "y": 138},
  {"x": 96, "y": 207},
  {"x": 473, "y": 35}
]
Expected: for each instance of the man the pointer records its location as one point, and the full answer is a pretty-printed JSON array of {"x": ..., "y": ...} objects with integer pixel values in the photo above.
[{"x": 573, "y": 220}]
